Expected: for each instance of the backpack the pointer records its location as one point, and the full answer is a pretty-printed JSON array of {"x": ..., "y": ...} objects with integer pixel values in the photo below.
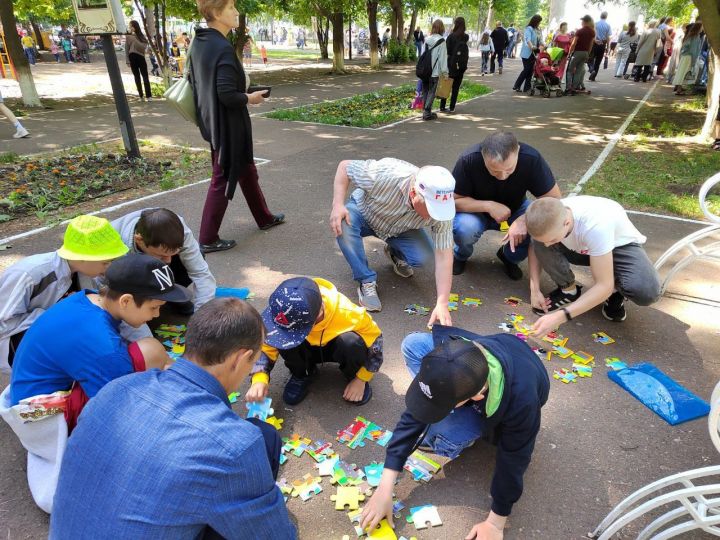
[
  {"x": 459, "y": 61},
  {"x": 425, "y": 66}
]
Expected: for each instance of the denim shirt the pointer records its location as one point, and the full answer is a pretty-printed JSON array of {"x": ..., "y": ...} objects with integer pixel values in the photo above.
[
  {"x": 162, "y": 455},
  {"x": 530, "y": 42}
]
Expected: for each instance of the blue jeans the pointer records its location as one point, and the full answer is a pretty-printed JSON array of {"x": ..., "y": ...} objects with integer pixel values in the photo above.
[
  {"x": 413, "y": 246},
  {"x": 30, "y": 54},
  {"x": 468, "y": 228},
  {"x": 463, "y": 425},
  {"x": 418, "y": 47}
]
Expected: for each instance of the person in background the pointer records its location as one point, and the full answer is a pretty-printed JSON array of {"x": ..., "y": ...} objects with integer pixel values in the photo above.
[
  {"x": 263, "y": 55},
  {"x": 500, "y": 41},
  {"x": 419, "y": 38},
  {"x": 602, "y": 38},
  {"x": 83, "y": 49},
  {"x": 624, "y": 46},
  {"x": 28, "y": 44},
  {"x": 66, "y": 44},
  {"x": 689, "y": 53},
  {"x": 20, "y": 131},
  {"x": 458, "y": 54},
  {"x": 221, "y": 100},
  {"x": 385, "y": 40},
  {"x": 55, "y": 50},
  {"x": 486, "y": 49},
  {"x": 136, "y": 45},
  {"x": 512, "y": 39},
  {"x": 562, "y": 40},
  {"x": 667, "y": 35},
  {"x": 530, "y": 47},
  {"x": 580, "y": 48},
  {"x": 438, "y": 49},
  {"x": 647, "y": 45}
]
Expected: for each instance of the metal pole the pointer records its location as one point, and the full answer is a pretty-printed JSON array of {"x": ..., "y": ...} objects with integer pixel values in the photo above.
[{"x": 127, "y": 129}]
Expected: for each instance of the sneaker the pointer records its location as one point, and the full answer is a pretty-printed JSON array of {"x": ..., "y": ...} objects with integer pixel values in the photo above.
[
  {"x": 296, "y": 389},
  {"x": 433, "y": 116},
  {"x": 558, "y": 299},
  {"x": 149, "y": 100},
  {"x": 218, "y": 245},
  {"x": 614, "y": 308},
  {"x": 512, "y": 270},
  {"x": 401, "y": 267},
  {"x": 458, "y": 266},
  {"x": 368, "y": 296},
  {"x": 21, "y": 133},
  {"x": 278, "y": 219}
]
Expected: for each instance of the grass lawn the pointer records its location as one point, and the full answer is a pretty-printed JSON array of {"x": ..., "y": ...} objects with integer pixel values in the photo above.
[
  {"x": 292, "y": 54},
  {"x": 373, "y": 109},
  {"x": 659, "y": 165}
]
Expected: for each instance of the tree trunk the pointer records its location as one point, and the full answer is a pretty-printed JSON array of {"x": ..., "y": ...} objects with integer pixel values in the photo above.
[
  {"x": 372, "y": 6},
  {"x": 479, "y": 23},
  {"x": 17, "y": 55},
  {"x": 413, "y": 22},
  {"x": 709, "y": 11},
  {"x": 241, "y": 36},
  {"x": 488, "y": 20},
  {"x": 322, "y": 35},
  {"x": 38, "y": 34},
  {"x": 393, "y": 25},
  {"x": 338, "y": 42}
]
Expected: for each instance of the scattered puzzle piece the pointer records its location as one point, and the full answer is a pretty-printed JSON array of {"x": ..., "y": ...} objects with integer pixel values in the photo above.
[
  {"x": 614, "y": 363},
  {"x": 383, "y": 531},
  {"x": 513, "y": 301},
  {"x": 306, "y": 487},
  {"x": 562, "y": 352},
  {"x": 421, "y": 516},
  {"x": 603, "y": 338},
  {"x": 581, "y": 357},
  {"x": 421, "y": 467},
  {"x": 283, "y": 459},
  {"x": 261, "y": 409},
  {"x": 325, "y": 468},
  {"x": 453, "y": 297},
  {"x": 319, "y": 450},
  {"x": 504, "y": 227},
  {"x": 564, "y": 375},
  {"x": 582, "y": 370},
  {"x": 398, "y": 507},
  {"x": 232, "y": 398},
  {"x": 373, "y": 472},
  {"x": 416, "y": 309},
  {"x": 345, "y": 474},
  {"x": 275, "y": 422},
  {"x": 295, "y": 444},
  {"x": 347, "y": 496},
  {"x": 285, "y": 488},
  {"x": 452, "y": 306},
  {"x": 471, "y": 302}
]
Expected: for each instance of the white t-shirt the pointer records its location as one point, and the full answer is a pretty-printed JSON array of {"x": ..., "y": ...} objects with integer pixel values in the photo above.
[{"x": 600, "y": 226}]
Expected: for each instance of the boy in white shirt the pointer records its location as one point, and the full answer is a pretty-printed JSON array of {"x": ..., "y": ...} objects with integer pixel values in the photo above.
[{"x": 586, "y": 231}]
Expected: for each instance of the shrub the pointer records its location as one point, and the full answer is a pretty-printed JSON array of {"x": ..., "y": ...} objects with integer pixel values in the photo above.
[{"x": 399, "y": 53}]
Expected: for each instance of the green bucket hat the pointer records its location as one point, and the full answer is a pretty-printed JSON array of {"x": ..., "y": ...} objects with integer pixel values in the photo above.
[{"x": 91, "y": 238}]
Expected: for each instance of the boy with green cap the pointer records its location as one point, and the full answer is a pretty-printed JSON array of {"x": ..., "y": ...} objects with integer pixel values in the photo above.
[{"x": 31, "y": 286}]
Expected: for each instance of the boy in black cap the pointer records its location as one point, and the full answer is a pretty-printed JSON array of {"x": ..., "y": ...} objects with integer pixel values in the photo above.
[
  {"x": 467, "y": 387},
  {"x": 309, "y": 322}
]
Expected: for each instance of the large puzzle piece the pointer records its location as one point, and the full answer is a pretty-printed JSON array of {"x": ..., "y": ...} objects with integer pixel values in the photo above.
[
  {"x": 327, "y": 466},
  {"x": 275, "y": 422},
  {"x": 421, "y": 516},
  {"x": 349, "y": 496},
  {"x": 373, "y": 472},
  {"x": 471, "y": 302},
  {"x": 306, "y": 487},
  {"x": 354, "y": 433},
  {"x": 421, "y": 467},
  {"x": 382, "y": 532},
  {"x": 564, "y": 375},
  {"x": 602, "y": 338},
  {"x": 295, "y": 444},
  {"x": 261, "y": 409},
  {"x": 614, "y": 363},
  {"x": 581, "y": 357},
  {"x": 319, "y": 450},
  {"x": 582, "y": 370},
  {"x": 345, "y": 474}
]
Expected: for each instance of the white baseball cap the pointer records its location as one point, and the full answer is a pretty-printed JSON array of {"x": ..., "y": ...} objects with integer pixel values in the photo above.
[{"x": 436, "y": 185}]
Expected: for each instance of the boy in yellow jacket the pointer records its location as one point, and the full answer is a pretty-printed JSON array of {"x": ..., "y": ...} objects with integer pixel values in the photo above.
[{"x": 308, "y": 322}]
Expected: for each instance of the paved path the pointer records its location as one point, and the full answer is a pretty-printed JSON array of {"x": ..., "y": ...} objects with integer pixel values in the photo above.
[{"x": 596, "y": 445}]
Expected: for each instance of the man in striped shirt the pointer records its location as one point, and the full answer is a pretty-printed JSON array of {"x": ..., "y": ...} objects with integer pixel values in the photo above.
[{"x": 394, "y": 201}]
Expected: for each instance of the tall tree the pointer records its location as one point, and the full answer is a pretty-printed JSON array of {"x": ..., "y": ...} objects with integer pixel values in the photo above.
[
  {"x": 372, "y": 10},
  {"x": 30, "y": 96}
]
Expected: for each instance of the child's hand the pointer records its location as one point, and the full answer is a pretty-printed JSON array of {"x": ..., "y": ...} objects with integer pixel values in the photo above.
[{"x": 257, "y": 392}]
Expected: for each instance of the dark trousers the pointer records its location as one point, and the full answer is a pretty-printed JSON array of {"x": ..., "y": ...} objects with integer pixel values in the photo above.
[
  {"x": 216, "y": 202},
  {"x": 662, "y": 61},
  {"x": 348, "y": 350},
  {"x": 642, "y": 72},
  {"x": 138, "y": 65},
  {"x": 526, "y": 74},
  {"x": 598, "y": 52},
  {"x": 457, "y": 81},
  {"x": 499, "y": 56},
  {"x": 428, "y": 93}
]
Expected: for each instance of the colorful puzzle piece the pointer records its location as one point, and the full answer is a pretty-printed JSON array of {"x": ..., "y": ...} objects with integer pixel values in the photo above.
[
  {"x": 373, "y": 472},
  {"x": 581, "y": 357},
  {"x": 306, "y": 487},
  {"x": 275, "y": 422},
  {"x": 261, "y": 409},
  {"x": 421, "y": 466},
  {"x": 326, "y": 467},
  {"x": 295, "y": 444},
  {"x": 285, "y": 488},
  {"x": 513, "y": 301},
  {"x": 471, "y": 302},
  {"x": 603, "y": 338},
  {"x": 506, "y": 327},
  {"x": 564, "y": 375},
  {"x": 582, "y": 370},
  {"x": 504, "y": 227},
  {"x": 319, "y": 450},
  {"x": 283, "y": 459},
  {"x": 416, "y": 309},
  {"x": 383, "y": 531},
  {"x": 614, "y": 363},
  {"x": 453, "y": 297},
  {"x": 232, "y": 398},
  {"x": 398, "y": 507},
  {"x": 562, "y": 352},
  {"x": 421, "y": 516},
  {"x": 353, "y": 433},
  {"x": 345, "y": 474},
  {"x": 347, "y": 496},
  {"x": 452, "y": 306}
]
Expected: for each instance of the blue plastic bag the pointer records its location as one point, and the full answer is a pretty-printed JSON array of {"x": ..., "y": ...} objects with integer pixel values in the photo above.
[
  {"x": 672, "y": 402},
  {"x": 241, "y": 293}
]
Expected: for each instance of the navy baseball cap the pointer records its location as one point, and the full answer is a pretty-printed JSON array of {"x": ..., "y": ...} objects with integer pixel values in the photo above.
[
  {"x": 452, "y": 372},
  {"x": 291, "y": 312},
  {"x": 145, "y": 276}
]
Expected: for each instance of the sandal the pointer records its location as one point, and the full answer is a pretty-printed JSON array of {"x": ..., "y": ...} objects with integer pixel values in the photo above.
[
  {"x": 277, "y": 220},
  {"x": 367, "y": 395}
]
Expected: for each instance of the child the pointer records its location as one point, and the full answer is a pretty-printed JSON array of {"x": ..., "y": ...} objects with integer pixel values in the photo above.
[
  {"x": 67, "y": 49},
  {"x": 36, "y": 283},
  {"x": 309, "y": 322},
  {"x": 587, "y": 231},
  {"x": 418, "y": 102},
  {"x": 55, "y": 50},
  {"x": 263, "y": 54},
  {"x": 487, "y": 48},
  {"x": 20, "y": 131}
]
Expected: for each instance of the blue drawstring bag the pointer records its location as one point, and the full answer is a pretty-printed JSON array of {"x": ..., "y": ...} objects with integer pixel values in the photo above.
[{"x": 672, "y": 402}]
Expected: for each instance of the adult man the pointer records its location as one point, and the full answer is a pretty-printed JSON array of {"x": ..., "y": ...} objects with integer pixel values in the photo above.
[
  {"x": 499, "y": 37},
  {"x": 206, "y": 472},
  {"x": 162, "y": 234},
  {"x": 395, "y": 201},
  {"x": 587, "y": 231},
  {"x": 578, "y": 54},
  {"x": 492, "y": 180},
  {"x": 602, "y": 39},
  {"x": 512, "y": 38},
  {"x": 467, "y": 387},
  {"x": 36, "y": 283}
]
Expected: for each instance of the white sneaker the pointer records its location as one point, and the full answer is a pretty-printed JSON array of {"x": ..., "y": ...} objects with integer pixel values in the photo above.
[
  {"x": 368, "y": 296},
  {"x": 21, "y": 133},
  {"x": 149, "y": 100}
]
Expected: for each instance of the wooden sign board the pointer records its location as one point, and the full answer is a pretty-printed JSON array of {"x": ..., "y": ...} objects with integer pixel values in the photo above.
[{"x": 99, "y": 17}]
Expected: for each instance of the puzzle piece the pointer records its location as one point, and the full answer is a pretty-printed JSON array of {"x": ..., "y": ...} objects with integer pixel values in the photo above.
[
  {"x": 373, "y": 472},
  {"x": 564, "y": 375},
  {"x": 285, "y": 488},
  {"x": 614, "y": 363},
  {"x": 178, "y": 349},
  {"x": 295, "y": 444},
  {"x": 326, "y": 467},
  {"x": 382, "y": 441},
  {"x": 345, "y": 474},
  {"x": 581, "y": 357},
  {"x": 540, "y": 352},
  {"x": 506, "y": 327},
  {"x": 319, "y": 450},
  {"x": 260, "y": 410},
  {"x": 562, "y": 352},
  {"x": 582, "y": 370},
  {"x": 306, "y": 487},
  {"x": 421, "y": 467},
  {"x": 416, "y": 309},
  {"x": 398, "y": 507},
  {"x": 514, "y": 318},
  {"x": 513, "y": 301},
  {"x": 275, "y": 422},
  {"x": 347, "y": 496},
  {"x": 353, "y": 433},
  {"x": 603, "y": 338},
  {"x": 283, "y": 459},
  {"x": 421, "y": 516},
  {"x": 232, "y": 398},
  {"x": 504, "y": 227},
  {"x": 383, "y": 531},
  {"x": 471, "y": 302},
  {"x": 452, "y": 306},
  {"x": 454, "y": 297}
]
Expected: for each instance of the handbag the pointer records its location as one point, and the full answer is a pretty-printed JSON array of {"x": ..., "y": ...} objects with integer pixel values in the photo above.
[
  {"x": 444, "y": 87},
  {"x": 181, "y": 95}
]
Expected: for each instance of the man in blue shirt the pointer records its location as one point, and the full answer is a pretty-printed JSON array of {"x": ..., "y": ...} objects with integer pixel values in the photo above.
[
  {"x": 161, "y": 454},
  {"x": 602, "y": 39}
]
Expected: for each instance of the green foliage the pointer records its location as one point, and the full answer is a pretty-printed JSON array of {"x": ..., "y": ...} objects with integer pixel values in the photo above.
[
  {"x": 8, "y": 157},
  {"x": 49, "y": 11},
  {"x": 399, "y": 53},
  {"x": 157, "y": 89},
  {"x": 654, "y": 9}
]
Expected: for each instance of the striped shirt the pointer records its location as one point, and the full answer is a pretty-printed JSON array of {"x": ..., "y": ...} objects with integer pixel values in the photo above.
[{"x": 383, "y": 197}]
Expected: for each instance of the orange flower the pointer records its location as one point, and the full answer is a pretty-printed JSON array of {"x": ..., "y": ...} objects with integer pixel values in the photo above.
[
  {"x": 56, "y": 171},
  {"x": 71, "y": 167},
  {"x": 100, "y": 171}
]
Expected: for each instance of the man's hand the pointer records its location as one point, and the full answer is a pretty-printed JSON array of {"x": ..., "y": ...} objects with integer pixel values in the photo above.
[
  {"x": 379, "y": 507},
  {"x": 440, "y": 314},
  {"x": 255, "y": 98},
  {"x": 538, "y": 300},
  {"x": 257, "y": 392},
  {"x": 354, "y": 390},
  {"x": 339, "y": 212},
  {"x": 499, "y": 212},
  {"x": 485, "y": 531},
  {"x": 548, "y": 323},
  {"x": 516, "y": 234}
]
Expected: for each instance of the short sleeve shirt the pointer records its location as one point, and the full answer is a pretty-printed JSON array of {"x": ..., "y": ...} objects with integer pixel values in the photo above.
[
  {"x": 532, "y": 174},
  {"x": 585, "y": 38},
  {"x": 383, "y": 198}
]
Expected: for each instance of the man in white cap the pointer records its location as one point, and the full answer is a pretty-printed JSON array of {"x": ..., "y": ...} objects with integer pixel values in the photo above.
[{"x": 395, "y": 201}]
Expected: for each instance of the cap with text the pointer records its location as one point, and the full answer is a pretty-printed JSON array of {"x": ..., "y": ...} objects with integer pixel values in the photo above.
[
  {"x": 436, "y": 185},
  {"x": 291, "y": 312},
  {"x": 145, "y": 276}
]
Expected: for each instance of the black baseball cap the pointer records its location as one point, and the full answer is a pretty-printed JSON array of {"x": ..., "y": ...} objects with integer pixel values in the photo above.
[
  {"x": 145, "y": 276},
  {"x": 452, "y": 372},
  {"x": 291, "y": 312}
]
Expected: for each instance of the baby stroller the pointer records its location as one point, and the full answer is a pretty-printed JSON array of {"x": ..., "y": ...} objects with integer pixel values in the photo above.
[{"x": 545, "y": 77}]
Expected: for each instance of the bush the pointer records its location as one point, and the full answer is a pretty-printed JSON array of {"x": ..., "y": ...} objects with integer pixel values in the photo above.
[
  {"x": 157, "y": 89},
  {"x": 399, "y": 53}
]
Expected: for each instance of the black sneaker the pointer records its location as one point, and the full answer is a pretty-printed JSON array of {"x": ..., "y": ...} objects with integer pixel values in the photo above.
[
  {"x": 458, "y": 266},
  {"x": 559, "y": 299},
  {"x": 278, "y": 219},
  {"x": 217, "y": 245},
  {"x": 296, "y": 389},
  {"x": 614, "y": 308},
  {"x": 512, "y": 270}
]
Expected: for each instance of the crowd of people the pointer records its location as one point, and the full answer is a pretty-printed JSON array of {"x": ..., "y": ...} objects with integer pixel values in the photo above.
[{"x": 85, "y": 404}]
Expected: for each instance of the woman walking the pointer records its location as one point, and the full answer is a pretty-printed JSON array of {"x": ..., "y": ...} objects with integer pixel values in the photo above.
[
  {"x": 627, "y": 39},
  {"x": 689, "y": 53},
  {"x": 458, "y": 54},
  {"x": 562, "y": 40},
  {"x": 530, "y": 47},
  {"x": 219, "y": 85},
  {"x": 136, "y": 46},
  {"x": 646, "y": 52},
  {"x": 486, "y": 48},
  {"x": 438, "y": 51}
]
